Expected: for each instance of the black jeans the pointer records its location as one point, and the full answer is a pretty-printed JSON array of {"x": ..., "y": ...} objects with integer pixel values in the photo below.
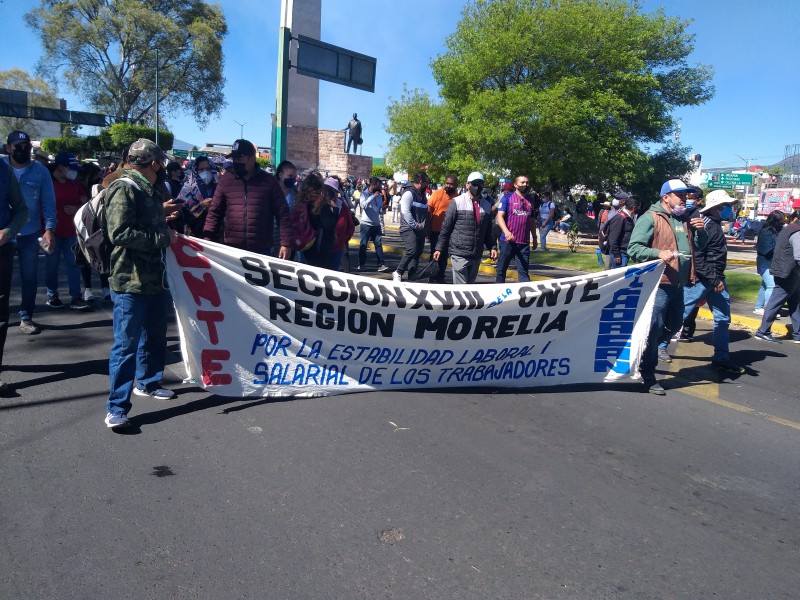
[
  {"x": 6, "y": 264},
  {"x": 414, "y": 244},
  {"x": 443, "y": 256}
]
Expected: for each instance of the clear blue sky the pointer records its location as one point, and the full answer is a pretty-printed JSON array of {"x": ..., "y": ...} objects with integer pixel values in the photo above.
[{"x": 752, "y": 45}]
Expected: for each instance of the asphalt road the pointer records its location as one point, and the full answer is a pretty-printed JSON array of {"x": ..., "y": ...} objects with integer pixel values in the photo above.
[{"x": 574, "y": 493}]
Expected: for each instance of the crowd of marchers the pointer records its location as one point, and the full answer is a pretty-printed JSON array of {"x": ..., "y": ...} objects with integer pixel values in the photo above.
[{"x": 311, "y": 219}]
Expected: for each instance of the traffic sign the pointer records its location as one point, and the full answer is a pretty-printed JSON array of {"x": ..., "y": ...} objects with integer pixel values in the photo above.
[{"x": 728, "y": 181}]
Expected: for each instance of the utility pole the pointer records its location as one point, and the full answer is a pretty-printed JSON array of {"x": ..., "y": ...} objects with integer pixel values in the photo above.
[
  {"x": 746, "y": 170},
  {"x": 282, "y": 88},
  {"x": 156, "y": 96}
]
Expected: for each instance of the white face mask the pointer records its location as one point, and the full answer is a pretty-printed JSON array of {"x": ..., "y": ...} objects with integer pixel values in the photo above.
[
  {"x": 72, "y": 175},
  {"x": 206, "y": 176}
]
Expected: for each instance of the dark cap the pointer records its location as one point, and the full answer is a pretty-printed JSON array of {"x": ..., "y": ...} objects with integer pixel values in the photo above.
[
  {"x": 144, "y": 151},
  {"x": 65, "y": 159},
  {"x": 241, "y": 148},
  {"x": 17, "y": 136}
]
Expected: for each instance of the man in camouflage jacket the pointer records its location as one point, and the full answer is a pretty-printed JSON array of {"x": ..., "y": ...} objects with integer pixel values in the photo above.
[{"x": 137, "y": 228}]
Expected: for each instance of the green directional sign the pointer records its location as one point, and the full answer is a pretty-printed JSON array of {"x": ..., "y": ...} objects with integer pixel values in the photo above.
[
  {"x": 181, "y": 153},
  {"x": 727, "y": 181}
]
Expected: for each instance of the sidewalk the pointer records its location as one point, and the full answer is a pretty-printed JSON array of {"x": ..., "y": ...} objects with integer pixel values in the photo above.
[{"x": 738, "y": 254}]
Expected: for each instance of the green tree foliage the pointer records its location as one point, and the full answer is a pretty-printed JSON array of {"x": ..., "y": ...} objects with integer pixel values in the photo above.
[
  {"x": 263, "y": 162},
  {"x": 653, "y": 170},
  {"x": 124, "y": 134},
  {"x": 105, "y": 50},
  {"x": 75, "y": 145},
  {"x": 40, "y": 93},
  {"x": 568, "y": 91},
  {"x": 382, "y": 171}
]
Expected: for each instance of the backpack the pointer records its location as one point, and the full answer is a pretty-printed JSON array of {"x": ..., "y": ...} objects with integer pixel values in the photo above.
[
  {"x": 602, "y": 237},
  {"x": 91, "y": 233},
  {"x": 557, "y": 212},
  {"x": 304, "y": 233}
]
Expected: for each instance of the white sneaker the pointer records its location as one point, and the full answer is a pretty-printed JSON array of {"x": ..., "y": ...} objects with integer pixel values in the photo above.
[
  {"x": 758, "y": 311},
  {"x": 88, "y": 295},
  {"x": 396, "y": 276}
]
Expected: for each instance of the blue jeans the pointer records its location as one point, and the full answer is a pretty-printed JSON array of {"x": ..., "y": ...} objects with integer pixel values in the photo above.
[
  {"x": 370, "y": 232},
  {"x": 623, "y": 261},
  {"x": 720, "y": 305},
  {"x": 765, "y": 291},
  {"x": 62, "y": 246},
  {"x": 543, "y": 235},
  {"x": 522, "y": 254},
  {"x": 666, "y": 320},
  {"x": 28, "y": 254},
  {"x": 140, "y": 346}
]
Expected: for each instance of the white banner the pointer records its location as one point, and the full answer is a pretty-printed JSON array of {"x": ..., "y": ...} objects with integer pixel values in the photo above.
[{"x": 253, "y": 325}]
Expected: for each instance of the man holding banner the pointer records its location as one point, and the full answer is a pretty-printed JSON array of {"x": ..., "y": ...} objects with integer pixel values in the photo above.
[{"x": 661, "y": 233}]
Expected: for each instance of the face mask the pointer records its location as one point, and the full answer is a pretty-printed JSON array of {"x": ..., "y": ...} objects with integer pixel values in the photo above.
[
  {"x": 207, "y": 177},
  {"x": 289, "y": 183},
  {"x": 678, "y": 211},
  {"x": 690, "y": 204},
  {"x": 161, "y": 176},
  {"x": 726, "y": 213},
  {"x": 240, "y": 169},
  {"x": 71, "y": 175},
  {"x": 475, "y": 189},
  {"x": 523, "y": 189},
  {"x": 22, "y": 155}
]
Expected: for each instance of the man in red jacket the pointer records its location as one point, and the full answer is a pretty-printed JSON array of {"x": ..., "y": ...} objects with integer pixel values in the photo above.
[{"x": 244, "y": 205}]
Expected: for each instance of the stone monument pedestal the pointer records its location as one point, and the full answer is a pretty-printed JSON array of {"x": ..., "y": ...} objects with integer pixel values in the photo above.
[{"x": 323, "y": 149}]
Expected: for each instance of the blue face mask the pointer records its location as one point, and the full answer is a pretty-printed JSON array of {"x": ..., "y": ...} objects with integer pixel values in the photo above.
[
  {"x": 726, "y": 213},
  {"x": 690, "y": 204}
]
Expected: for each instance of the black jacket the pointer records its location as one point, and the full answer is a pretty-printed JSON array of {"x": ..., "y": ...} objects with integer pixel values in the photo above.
[
  {"x": 619, "y": 234},
  {"x": 711, "y": 262},
  {"x": 783, "y": 262}
]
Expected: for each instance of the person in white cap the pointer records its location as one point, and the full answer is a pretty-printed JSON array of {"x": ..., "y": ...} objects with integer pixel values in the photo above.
[
  {"x": 662, "y": 233},
  {"x": 466, "y": 230},
  {"x": 710, "y": 264}
]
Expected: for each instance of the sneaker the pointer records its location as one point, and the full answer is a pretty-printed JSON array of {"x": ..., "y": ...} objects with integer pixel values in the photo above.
[
  {"x": 54, "y": 302},
  {"x": 116, "y": 421},
  {"x": 663, "y": 356},
  {"x": 758, "y": 311},
  {"x": 654, "y": 387},
  {"x": 158, "y": 393},
  {"x": 727, "y": 365},
  {"x": 685, "y": 337},
  {"x": 397, "y": 277},
  {"x": 88, "y": 295},
  {"x": 29, "y": 327},
  {"x": 767, "y": 337},
  {"x": 383, "y": 269},
  {"x": 79, "y": 304},
  {"x": 106, "y": 294}
]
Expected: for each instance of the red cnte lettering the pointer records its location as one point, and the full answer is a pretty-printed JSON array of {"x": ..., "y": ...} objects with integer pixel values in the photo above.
[
  {"x": 202, "y": 288},
  {"x": 211, "y": 318},
  {"x": 211, "y": 368},
  {"x": 188, "y": 260}
]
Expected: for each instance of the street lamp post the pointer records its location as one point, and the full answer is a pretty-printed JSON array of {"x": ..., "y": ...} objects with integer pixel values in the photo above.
[
  {"x": 747, "y": 171},
  {"x": 241, "y": 128}
]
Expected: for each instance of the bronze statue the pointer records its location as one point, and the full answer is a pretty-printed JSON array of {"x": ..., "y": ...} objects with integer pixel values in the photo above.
[{"x": 354, "y": 130}]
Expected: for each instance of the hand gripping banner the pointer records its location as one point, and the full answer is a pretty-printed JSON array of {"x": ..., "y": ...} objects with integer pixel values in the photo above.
[{"x": 257, "y": 326}]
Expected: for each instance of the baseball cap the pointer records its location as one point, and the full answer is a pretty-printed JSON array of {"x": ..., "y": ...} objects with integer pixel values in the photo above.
[
  {"x": 475, "y": 176},
  {"x": 65, "y": 159},
  {"x": 621, "y": 195},
  {"x": 17, "y": 136},
  {"x": 674, "y": 185},
  {"x": 144, "y": 151},
  {"x": 241, "y": 148}
]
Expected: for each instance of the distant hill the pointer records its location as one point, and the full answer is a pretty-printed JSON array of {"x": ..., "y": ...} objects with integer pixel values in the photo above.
[
  {"x": 181, "y": 145},
  {"x": 791, "y": 164}
]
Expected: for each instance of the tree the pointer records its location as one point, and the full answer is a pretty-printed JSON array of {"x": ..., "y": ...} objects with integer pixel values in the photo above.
[
  {"x": 382, "y": 171},
  {"x": 40, "y": 93},
  {"x": 567, "y": 91},
  {"x": 124, "y": 134},
  {"x": 105, "y": 51}
]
